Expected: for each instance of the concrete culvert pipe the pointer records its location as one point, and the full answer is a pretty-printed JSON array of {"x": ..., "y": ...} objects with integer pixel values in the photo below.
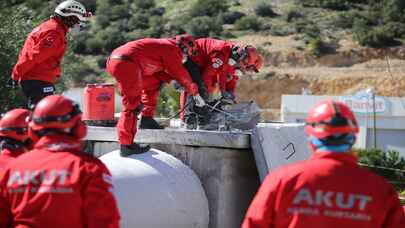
[{"x": 157, "y": 190}]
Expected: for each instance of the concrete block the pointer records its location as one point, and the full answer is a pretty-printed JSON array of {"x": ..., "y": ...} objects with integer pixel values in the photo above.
[
  {"x": 278, "y": 144},
  {"x": 221, "y": 139}
]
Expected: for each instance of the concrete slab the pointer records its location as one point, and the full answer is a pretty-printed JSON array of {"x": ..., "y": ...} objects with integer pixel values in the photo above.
[
  {"x": 237, "y": 140},
  {"x": 229, "y": 177},
  {"x": 278, "y": 144}
]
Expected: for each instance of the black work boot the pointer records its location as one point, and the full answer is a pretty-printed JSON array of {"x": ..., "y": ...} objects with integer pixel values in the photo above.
[
  {"x": 149, "y": 123},
  {"x": 128, "y": 150}
]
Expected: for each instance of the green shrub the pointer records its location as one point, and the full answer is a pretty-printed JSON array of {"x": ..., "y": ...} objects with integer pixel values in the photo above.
[
  {"x": 144, "y": 4},
  {"x": 397, "y": 28},
  {"x": 345, "y": 20},
  {"x": 389, "y": 159},
  {"x": 75, "y": 71},
  {"x": 119, "y": 12},
  {"x": 379, "y": 36},
  {"x": 311, "y": 31},
  {"x": 328, "y": 4},
  {"x": 139, "y": 21},
  {"x": 168, "y": 103},
  {"x": 204, "y": 26},
  {"x": 231, "y": 17},
  {"x": 158, "y": 11},
  {"x": 102, "y": 21},
  {"x": 208, "y": 8},
  {"x": 394, "y": 10},
  {"x": 156, "y": 27},
  {"x": 264, "y": 9},
  {"x": 293, "y": 14},
  {"x": 281, "y": 30},
  {"x": 101, "y": 61},
  {"x": 249, "y": 22},
  {"x": 174, "y": 27},
  {"x": 94, "y": 45},
  {"x": 315, "y": 47}
]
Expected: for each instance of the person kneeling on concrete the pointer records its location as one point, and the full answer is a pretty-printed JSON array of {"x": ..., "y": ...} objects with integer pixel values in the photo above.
[
  {"x": 14, "y": 139},
  {"x": 329, "y": 190},
  {"x": 56, "y": 184}
]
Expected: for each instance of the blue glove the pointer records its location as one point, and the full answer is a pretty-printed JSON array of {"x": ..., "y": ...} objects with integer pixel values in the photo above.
[{"x": 227, "y": 95}]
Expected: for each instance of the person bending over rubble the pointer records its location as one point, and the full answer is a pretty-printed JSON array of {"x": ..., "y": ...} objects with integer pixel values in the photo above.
[
  {"x": 38, "y": 65},
  {"x": 219, "y": 63},
  {"x": 139, "y": 68},
  {"x": 56, "y": 184},
  {"x": 330, "y": 189}
]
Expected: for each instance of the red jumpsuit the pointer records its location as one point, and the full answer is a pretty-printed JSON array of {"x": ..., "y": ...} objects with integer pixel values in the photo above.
[
  {"x": 57, "y": 185},
  {"x": 329, "y": 190},
  {"x": 7, "y": 155},
  {"x": 212, "y": 59},
  {"x": 42, "y": 53},
  {"x": 143, "y": 62}
]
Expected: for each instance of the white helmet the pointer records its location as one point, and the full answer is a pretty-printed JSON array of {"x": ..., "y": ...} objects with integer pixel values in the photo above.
[{"x": 72, "y": 8}]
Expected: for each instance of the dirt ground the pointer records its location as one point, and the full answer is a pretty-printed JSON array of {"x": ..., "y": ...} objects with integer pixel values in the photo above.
[{"x": 343, "y": 73}]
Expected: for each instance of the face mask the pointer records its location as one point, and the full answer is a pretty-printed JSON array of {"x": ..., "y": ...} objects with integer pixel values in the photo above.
[{"x": 76, "y": 29}]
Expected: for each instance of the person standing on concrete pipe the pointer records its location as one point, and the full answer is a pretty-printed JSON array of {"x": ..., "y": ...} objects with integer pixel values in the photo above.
[
  {"x": 56, "y": 184},
  {"x": 219, "y": 62},
  {"x": 330, "y": 189},
  {"x": 38, "y": 65},
  {"x": 14, "y": 139},
  {"x": 137, "y": 67}
]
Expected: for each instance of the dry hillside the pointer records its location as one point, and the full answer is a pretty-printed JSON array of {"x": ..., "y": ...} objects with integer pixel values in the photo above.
[{"x": 288, "y": 71}]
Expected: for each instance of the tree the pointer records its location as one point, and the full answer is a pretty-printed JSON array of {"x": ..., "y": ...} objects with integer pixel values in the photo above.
[{"x": 15, "y": 25}]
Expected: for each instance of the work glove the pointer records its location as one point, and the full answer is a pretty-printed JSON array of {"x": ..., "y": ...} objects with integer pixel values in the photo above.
[
  {"x": 228, "y": 97},
  {"x": 11, "y": 83},
  {"x": 199, "y": 101}
]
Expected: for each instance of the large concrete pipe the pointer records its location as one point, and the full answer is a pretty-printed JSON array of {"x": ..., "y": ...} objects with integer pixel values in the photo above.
[{"x": 157, "y": 190}]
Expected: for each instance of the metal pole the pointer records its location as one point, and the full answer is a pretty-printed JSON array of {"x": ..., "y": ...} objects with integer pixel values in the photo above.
[{"x": 375, "y": 122}]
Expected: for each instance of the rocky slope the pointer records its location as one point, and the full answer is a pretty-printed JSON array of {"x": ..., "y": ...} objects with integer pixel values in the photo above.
[{"x": 351, "y": 68}]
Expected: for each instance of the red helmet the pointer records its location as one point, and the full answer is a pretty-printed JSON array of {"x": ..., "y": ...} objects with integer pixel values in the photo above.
[
  {"x": 330, "y": 118},
  {"x": 187, "y": 44},
  {"x": 249, "y": 58},
  {"x": 14, "y": 124},
  {"x": 57, "y": 113}
]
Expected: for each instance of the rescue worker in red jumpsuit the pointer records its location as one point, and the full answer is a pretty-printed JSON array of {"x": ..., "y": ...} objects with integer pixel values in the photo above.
[
  {"x": 14, "y": 138},
  {"x": 330, "y": 189},
  {"x": 38, "y": 65},
  {"x": 56, "y": 184},
  {"x": 219, "y": 62},
  {"x": 137, "y": 65}
]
